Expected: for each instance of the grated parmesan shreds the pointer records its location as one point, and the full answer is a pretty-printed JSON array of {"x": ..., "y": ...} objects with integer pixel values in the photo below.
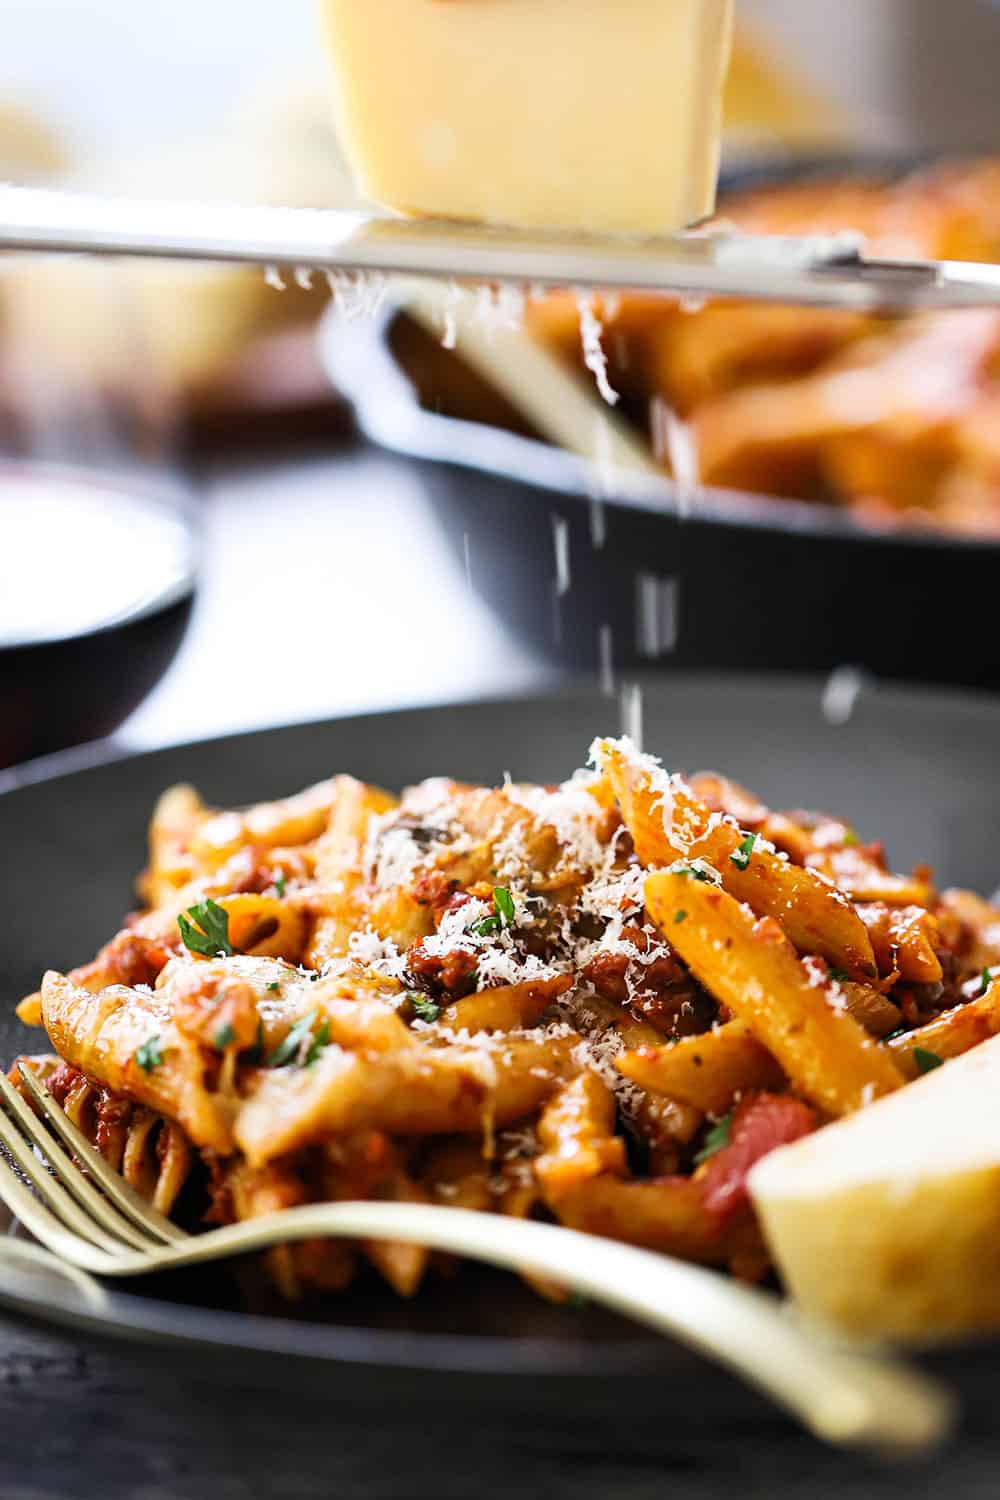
[
  {"x": 574, "y": 815},
  {"x": 357, "y": 295},
  {"x": 632, "y": 706},
  {"x": 596, "y": 1050},
  {"x": 599, "y": 920},
  {"x": 661, "y": 782},
  {"x": 594, "y": 357}
]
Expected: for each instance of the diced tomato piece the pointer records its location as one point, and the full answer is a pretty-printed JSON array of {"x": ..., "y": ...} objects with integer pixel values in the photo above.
[{"x": 761, "y": 1123}]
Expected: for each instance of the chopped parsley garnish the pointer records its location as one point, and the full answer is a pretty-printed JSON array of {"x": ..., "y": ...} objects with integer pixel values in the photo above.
[
  {"x": 274, "y": 987},
  {"x": 211, "y": 935},
  {"x": 224, "y": 1037},
  {"x": 150, "y": 1054},
  {"x": 319, "y": 1041},
  {"x": 850, "y": 838},
  {"x": 279, "y": 884},
  {"x": 839, "y": 975},
  {"x": 986, "y": 981},
  {"x": 926, "y": 1061},
  {"x": 741, "y": 857},
  {"x": 716, "y": 1138},
  {"x": 680, "y": 916},
  {"x": 502, "y": 916},
  {"x": 696, "y": 870},
  {"x": 289, "y": 1049},
  {"x": 423, "y": 1008},
  {"x": 503, "y": 905}
]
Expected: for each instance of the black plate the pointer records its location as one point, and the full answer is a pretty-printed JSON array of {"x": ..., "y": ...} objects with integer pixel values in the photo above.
[
  {"x": 759, "y": 584},
  {"x": 917, "y": 769}
]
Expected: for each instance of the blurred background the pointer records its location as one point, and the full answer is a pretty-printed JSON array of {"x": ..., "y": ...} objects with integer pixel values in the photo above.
[{"x": 226, "y": 505}]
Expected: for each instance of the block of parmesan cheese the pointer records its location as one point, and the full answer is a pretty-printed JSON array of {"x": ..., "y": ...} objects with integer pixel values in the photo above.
[
  {"x": 599, "y": 115},
  {"x": 887, "y": 1223}
]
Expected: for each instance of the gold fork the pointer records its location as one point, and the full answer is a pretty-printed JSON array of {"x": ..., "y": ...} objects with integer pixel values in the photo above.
[{"x": 96, "y": 1221}]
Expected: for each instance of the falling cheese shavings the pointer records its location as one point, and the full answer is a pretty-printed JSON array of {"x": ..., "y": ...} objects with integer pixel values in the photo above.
[
  {"x": 843, "y": 688},
  {"x": 598, "y": 523},
  {"x": 357, "y": 295},
  {"x": 560, "y": 539},
  {"x": 606, "y": 653},
  {"x": 449, "y": 314},
  {"x": 675, "y": 446},
  {"x": 594, "y": 357},
  {"x": 632, "y": 712},
  {"x": 656, "y": 615}
]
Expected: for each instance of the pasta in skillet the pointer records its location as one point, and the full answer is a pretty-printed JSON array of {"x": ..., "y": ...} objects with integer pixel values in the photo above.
[
  {"x": 893, "y": 419},
  {"x": 599, "y": 1003}
]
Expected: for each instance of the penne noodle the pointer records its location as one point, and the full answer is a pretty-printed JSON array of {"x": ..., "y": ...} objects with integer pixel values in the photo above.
[
  {"x": 577, "y": 1131},
  {"x": 708, "y": 1071},
  {"x": 506, "y": 1008},
  {"x": 668, "y": 824},
  {"x": 752, "y": 968},
  {"x": 948, "y": 1035}
]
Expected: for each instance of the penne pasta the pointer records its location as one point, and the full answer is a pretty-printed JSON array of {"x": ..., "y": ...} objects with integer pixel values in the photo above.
[
  {"x": 707, "y": 1071},
  {"x": 600, "y": 1003},
  {"x": 752, "y": 968}
]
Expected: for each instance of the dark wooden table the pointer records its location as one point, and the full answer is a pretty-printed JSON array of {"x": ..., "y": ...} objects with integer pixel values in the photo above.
[{"x": 85, "y": 1420}]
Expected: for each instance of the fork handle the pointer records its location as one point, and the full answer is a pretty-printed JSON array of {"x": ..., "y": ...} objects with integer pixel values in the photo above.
[{"x": 842, "y": 1396}]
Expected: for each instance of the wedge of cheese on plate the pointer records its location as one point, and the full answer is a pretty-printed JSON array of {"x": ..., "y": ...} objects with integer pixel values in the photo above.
[
  {"x": 887, "y": 1223},
  {"x": 599, "y": 115}
]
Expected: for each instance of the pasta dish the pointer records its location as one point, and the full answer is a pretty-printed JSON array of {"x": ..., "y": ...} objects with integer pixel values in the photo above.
[
  {"x": 893, "y": 419},
  {"x": 600, "y": 1003}
]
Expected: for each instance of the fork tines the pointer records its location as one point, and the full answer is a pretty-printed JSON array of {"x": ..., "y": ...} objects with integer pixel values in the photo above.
[{"x": 76, "y": 1205}]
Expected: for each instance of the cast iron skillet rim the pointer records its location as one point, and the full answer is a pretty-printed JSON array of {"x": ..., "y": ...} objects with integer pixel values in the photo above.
[{"x": 63, "y": 764}]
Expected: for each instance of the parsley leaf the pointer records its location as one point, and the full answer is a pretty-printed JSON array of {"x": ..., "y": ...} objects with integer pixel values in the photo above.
[
  {"x": 289, "y": 1049},
  {"x": 680, "y": 916},
  {"x": 423, "y": 1008},
  {"x": 986, "y": 981},
  {"x": 503, "y": 914},
  {"x": 926, "y": 1061},
  {"x": 741, "y": 857},
  {"x": 696, "y": 869},
  {"x": 716, "y": 1138},
  {"x": 279, "y": 884},
  {"x": 840, "y": 976},
  {"x": 319, "y": 1041},
  {"x": 224, "y": 1037},
  {"x": 150, "y": 1054},
  {"x": 503, "y": 905},
  {"x": 274, "y": 987},
  {"x": 211, "y": 936},
  {"x": 850, "y": 838}
]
